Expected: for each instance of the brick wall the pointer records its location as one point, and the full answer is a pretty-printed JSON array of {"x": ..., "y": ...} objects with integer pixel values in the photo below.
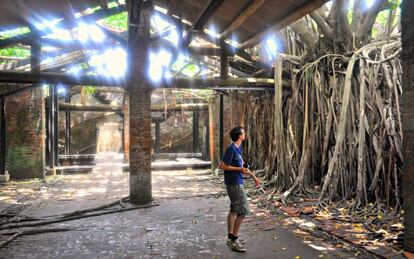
[
  {"x": 231, "y": 119},
  {"x": 25, "y": 134},
  {"x": 407, "y": 20}
]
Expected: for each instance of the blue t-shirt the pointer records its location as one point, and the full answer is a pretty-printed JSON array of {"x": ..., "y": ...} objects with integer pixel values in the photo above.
[{"x": 232, "y": 157}]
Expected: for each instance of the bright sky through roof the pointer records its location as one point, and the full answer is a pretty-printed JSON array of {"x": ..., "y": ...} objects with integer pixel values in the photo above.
[
  {"x": 112, "y": 62},
  {"x": 89, "y": 32},
  {"x": 369, "y": 3},
  {"x": 159, "y": 61},
  {"x": 271, "y": 47}
]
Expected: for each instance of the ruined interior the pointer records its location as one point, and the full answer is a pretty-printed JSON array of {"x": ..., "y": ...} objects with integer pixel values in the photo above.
[{"x": 115, "y": 115}]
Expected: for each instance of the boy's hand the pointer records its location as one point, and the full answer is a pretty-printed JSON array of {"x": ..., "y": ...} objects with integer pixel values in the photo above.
[
  {"x": 257, "y": 181},
  {"x": 244, "y": 170}
]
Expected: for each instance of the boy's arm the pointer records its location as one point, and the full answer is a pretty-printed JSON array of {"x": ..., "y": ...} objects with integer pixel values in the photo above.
[
  {"x": 255, "y": 178},
  {"x": 225, "y": 167}
]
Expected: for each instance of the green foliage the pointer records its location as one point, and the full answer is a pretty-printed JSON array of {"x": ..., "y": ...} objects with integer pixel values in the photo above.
[
  {"x": 394, "y": 4},
  {"x": 191, "y": 70},
  {"x": 89, "y": 90},
  {"x": 117, "y": 21},
  {"x": 15, "y": 52}
]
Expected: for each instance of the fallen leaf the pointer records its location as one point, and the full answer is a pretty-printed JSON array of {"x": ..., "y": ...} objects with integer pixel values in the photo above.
[
  {"x": 307, "y": 210},
  {"x": 291, "y": 211}
]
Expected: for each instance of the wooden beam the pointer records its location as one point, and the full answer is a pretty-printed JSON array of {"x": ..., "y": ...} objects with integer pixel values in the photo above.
[
  {"x": 89, "y": 108},
  {"x": 154, "y": 108},
  {"x": 246, "y": 13},
  {"x": 202, "y": 20},
  {"x": 185, "y": 83},
  {"x": 305, "y": 9},
  {"x": 194, "y": 51},
  {"x": 172, "y": 6},
  {"x": 180, "y": 107},
  {"x": 239, "y": 52},
  {"x": 57, "y": 78}
]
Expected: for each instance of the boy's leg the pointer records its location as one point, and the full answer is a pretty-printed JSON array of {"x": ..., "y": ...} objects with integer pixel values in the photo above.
[
  {"x": 231, "y": 218},
  {"x": 237, "y": 224}
]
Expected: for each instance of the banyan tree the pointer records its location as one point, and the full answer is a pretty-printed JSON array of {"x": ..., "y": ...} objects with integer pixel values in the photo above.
[{"x": 336, "y": 132}]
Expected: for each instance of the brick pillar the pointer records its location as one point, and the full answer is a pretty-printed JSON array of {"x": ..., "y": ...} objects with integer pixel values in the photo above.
[
  {"x": 228, "y": 121},
  {"x": 213, "y": 110},
  {"x": 25, "y": 134},
  {"x": 126, "y": 129},
  {"x": 139, "y": 87},
  {"x": 407, "y": 22}
]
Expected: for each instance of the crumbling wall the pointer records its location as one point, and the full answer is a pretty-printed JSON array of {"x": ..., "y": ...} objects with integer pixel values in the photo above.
[{"x": 25, "y": 134}]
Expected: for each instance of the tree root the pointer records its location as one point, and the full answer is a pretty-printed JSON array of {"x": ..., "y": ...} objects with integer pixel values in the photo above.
[
  {"x": 21, "y": 218},
  {"x": 65, "y": 217},
  {"x": 32, "y": 232}
]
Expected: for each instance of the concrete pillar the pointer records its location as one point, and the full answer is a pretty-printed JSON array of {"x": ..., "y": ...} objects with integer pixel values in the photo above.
[
  {"x": 67, "y": 123},
  {"x": 407, "y": 104},
  {"x": 206, "y": 135},
  {"x": 157, "y": 137},
  {"x": 56, "y": 126},
  {"x": 139, "y": 90},
  {"x": 196, "y": 145},
  {"x": 224, "y": 72},
  {"x": 51, "y": 129}
]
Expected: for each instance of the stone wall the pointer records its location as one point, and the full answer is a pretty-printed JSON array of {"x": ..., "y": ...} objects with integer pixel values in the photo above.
[
  {"x": 407, "y": 21},
  {"x": 25, "y": 134}
]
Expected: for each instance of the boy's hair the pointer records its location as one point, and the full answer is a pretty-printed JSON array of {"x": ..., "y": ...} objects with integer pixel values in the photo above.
[{"x": 235, "y": 133}]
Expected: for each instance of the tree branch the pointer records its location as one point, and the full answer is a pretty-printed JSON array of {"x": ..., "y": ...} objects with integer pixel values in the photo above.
[
  {"x": 364, "y": 31},
  {"x": 302, "y": 29},
  {"x": 322, "y": 24}
]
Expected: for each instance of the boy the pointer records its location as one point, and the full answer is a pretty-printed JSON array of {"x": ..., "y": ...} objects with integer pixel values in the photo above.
[{"x": 233, "y": 165}]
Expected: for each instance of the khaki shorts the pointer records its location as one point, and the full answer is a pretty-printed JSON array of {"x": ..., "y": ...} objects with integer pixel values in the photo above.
[{"x": 238, "y": 199}]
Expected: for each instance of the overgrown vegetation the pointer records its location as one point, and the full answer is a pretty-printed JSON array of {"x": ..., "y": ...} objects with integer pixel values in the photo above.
[{"x": 337, "y": 135}]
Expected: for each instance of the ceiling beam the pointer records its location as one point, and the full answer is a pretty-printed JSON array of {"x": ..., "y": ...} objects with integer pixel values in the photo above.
[
  {"x": 305, "y": 9},
  {"x": 172, "y": 6},
  {"x": 202, "y": 20},
  {"x": 185, "y": 83},
  {"x": 245, "y": 14},
  {"x": 110, "y": 108},
  {"x": 209, "y": 38}
]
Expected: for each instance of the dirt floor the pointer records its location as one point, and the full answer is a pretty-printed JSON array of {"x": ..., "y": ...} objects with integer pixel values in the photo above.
[{"x": 188, "y": 221}]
